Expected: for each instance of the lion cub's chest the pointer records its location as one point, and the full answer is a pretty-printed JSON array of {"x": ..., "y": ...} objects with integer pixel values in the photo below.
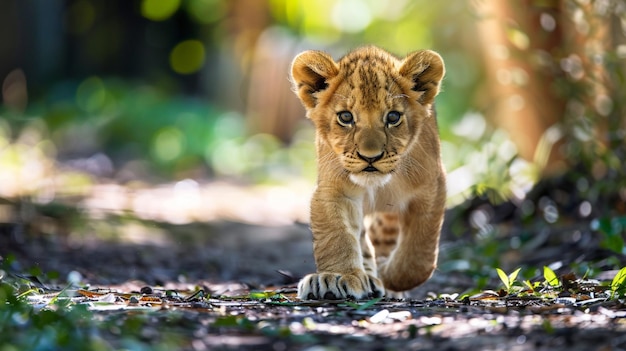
[{"x": 388, "y": 198}]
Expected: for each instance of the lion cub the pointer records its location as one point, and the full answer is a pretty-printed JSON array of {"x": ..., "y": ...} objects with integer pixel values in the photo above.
[{"x": 377, "y": 151}]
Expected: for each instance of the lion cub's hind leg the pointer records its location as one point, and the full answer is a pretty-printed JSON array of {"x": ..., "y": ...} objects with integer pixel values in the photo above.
[{"x": 382, "y": 229}]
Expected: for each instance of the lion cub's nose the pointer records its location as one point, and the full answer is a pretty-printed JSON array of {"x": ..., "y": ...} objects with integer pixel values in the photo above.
[{"x": 369, "y": 159}]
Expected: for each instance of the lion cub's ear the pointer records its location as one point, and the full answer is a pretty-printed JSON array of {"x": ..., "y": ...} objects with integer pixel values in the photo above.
[
  {"x": 425, "y": 69},
  {"x": 310, "y": 72}
]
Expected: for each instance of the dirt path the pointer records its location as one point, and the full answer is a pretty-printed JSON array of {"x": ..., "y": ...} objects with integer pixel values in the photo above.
[{"x": 231, "y": 286}]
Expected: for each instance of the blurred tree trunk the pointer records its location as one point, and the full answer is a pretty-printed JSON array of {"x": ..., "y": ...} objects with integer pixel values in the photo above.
[
  {"x": 267, "y": 51},
  {"x": 538, "y": 54},
  {"x": 271, "y": 106},
  {"x": 525, "y": 102},
  {"x": 245, "y": 22},
  {"x": 262, "y": 57}
]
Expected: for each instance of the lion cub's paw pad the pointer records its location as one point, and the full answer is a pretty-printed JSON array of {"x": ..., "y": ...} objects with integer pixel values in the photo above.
[{"x": 333, "y": 286}]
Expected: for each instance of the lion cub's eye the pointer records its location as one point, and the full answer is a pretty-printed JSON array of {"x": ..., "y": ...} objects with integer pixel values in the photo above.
[
  {"x": 393, "y": 118},
  {"x": 345, "y": 118}
]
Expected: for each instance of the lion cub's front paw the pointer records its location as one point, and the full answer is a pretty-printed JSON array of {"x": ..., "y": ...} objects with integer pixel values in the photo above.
[{"x": 334, "y": 286}]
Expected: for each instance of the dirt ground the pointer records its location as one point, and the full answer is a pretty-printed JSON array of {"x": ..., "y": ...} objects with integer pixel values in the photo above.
[{"x": 229, "y": 262}]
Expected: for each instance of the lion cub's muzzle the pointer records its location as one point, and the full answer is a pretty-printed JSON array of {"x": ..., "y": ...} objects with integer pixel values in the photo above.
[{"x": 370, "y": 162}]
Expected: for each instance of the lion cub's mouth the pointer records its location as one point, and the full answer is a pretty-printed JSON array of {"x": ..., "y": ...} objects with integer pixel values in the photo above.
[
  {"x": 370, "y": 168},
  {"x": 370, "y": 176},
  {"x": 370, "y": 162}
]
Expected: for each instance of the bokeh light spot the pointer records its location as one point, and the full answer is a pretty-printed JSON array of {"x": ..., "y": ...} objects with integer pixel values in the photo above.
[
  {"x": 187, "y": 57},
  {"x": 206, "y": 11},
  {"x": 159, "y": 10},
  {"x": 585, "y": 209},
  {"x": 518, "y": 38},
  {"x": 603, "y": 104},
  {"x": 548, "y": 23},
  {"x": 351, "y": 15},
  {"x": 168, "y": 144},
  {"x": 227, "y": 158}
]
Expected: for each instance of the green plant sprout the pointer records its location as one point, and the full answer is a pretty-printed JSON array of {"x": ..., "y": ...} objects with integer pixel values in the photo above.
[
  {"x": 618, "y": 285},
  {"x": 550, "y": 277},
  {"x": 508, "y": 280},
  {"x": 553, "y": 284},
  {"x": 532, "y": 287}
]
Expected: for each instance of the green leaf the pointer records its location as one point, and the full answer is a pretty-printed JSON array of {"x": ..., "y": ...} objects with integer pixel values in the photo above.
[
  {"x": 504, "y": 277},
  {"x": 369, "y": 304},
  {"x": 361, "y": 307},
  {"x": 529, "y": 285},
  {"x": 550, "y": 276},
  {"x": 260, "y": 295},
  {"x": 547, "y": 326},
  {"x": 352, "y": 304},
  {"x": 509, "y": 279},
  {"x": 513, "y": 276},
  {"x": 619, "y": 281}
]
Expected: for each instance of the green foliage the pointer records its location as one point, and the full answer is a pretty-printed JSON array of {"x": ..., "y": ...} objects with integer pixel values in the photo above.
[
  {"x": 618, "y": 284},
  {"x": 265, "y": 295},
  {"x": 547, "y": 326},
  {"x": 365, "y": 305},
  {"x": 57, "y": 326},
  {"x": 532, "y": 287},
  {"x": 508, "y": 280},
  {"x": 172, "y": 135},
  {"x": 179, "y": 135},
  {"x": 64, "y": 325},
  {"x": 553, "y": 287},
  {"x": 596, "y": 106},
  {"x": 612, "y": 230},
  {"x": 550, "y": 277}
]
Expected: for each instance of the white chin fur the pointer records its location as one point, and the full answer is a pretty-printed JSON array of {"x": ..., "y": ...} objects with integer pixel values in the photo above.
[{"x": 369, "y": 180}]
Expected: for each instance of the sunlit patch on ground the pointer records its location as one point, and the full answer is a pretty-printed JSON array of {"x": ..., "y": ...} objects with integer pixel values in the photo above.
[{"x": 189, "y": 201}]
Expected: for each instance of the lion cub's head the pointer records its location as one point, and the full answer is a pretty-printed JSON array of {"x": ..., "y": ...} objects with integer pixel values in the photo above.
[{"x": 369, "y": 107}]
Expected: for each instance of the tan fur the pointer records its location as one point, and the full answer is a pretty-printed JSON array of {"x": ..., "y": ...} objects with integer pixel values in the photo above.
[
  {"x": 383, "y": 230},
  {"x": 407, "y": 180}
]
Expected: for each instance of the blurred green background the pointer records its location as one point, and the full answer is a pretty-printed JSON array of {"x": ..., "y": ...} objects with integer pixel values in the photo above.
[{"x": 159, "y": 91}]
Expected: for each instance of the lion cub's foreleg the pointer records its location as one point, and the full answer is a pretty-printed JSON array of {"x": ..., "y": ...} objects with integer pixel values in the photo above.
[
  {"x": 415, "y": 256},
  {"x": 338, "y": 247}
]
